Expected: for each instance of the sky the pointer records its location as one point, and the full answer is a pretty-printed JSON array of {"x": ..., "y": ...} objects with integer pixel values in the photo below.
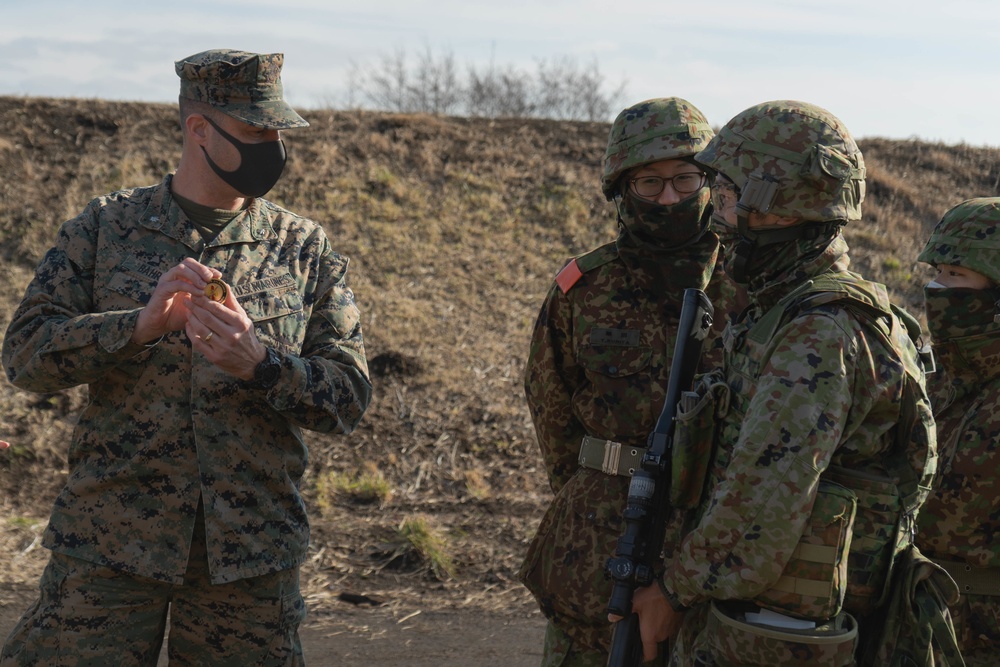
[{"x": 900, "y": 69}]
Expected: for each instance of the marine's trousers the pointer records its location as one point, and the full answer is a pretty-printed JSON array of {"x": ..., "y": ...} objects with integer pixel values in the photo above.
[{"x": 89, "y": 615}]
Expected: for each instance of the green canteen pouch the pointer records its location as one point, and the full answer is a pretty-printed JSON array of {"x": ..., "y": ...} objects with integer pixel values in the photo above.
[
  {"x": 813, "y": 584},
  {"x": 693, "y": 444}
]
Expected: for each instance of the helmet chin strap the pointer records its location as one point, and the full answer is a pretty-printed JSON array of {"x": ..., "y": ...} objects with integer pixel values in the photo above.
[
  {"x": 743, "y": 252},
  {"x": 757, "y": 197}
]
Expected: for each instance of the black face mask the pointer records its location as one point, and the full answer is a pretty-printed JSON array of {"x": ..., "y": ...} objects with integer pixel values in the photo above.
[
  {"x": 672, "y": 226},
  {"x": 260, "y": 164}
]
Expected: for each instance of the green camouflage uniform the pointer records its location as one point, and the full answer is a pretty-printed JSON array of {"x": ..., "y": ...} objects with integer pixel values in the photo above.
[
  {"x": 165, "y": 427},
  {"x": 816, "y": 368},
  {"x": 576, "y": 386},
  {"x": 960, "y": 525},
  {"x": 598, "y": 365},
  {"x": 167, "y": 439}
]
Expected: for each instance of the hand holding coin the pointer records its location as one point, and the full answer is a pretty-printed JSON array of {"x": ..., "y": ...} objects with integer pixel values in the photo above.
[{"x": 216, "y": 290}]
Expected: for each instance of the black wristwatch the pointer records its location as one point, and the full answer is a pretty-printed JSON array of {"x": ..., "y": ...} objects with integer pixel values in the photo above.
[{"x": 268, "y": 371}]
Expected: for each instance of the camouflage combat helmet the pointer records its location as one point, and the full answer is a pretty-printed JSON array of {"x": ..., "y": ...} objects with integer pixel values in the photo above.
[
  {"x": 658, "y": 129},
  {"x": 792, "y": 159},
  {"x": 968, "y": 236}
]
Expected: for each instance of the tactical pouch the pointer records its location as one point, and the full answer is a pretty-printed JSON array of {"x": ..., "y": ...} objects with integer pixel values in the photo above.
[
  {"x": 878, "y": 537},
  {"x": 915, "y": 626},
  {"x": 814, "y": 582},
  {"x": 694, "y": 438},
  {"x": 728, "y": 640}
]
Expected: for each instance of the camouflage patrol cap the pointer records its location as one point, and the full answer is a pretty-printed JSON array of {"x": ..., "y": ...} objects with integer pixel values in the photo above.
[
  {"x": 968, "y": 236},
  {"x": 245, "y": 86},
  {"x": 658, "y": 129},
  {"x": 800, "y": 156}
]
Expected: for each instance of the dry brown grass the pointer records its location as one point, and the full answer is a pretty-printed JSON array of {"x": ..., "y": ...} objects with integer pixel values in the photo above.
[{"x": 455, "y": 228}]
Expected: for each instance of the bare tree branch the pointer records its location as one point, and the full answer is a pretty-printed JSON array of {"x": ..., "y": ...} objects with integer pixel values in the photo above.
[{"x": 560, "y": 89}]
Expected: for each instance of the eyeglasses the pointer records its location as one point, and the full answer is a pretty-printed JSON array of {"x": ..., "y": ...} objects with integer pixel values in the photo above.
[
  {"x": 725, "y": 195},
  {"x": 683, "y": 184}
]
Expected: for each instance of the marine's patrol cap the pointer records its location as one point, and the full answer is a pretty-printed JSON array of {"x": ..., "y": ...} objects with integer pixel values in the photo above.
[{"x": 245, "y": 86}]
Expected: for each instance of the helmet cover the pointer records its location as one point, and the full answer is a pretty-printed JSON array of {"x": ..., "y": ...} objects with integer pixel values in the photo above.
[
  {"x": 811, "y": 166},
  {"x": 968, "y": 236},
  {"x": 658, "y": 129}
]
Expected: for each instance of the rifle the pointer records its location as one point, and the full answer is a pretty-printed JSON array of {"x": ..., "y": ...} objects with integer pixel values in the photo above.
[{"x": 638, "y": 551}]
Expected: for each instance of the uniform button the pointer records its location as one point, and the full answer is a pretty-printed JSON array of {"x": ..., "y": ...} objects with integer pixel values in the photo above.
[
  {"x": 591, "y": 516},
  {"x": 612, "y": 369}
]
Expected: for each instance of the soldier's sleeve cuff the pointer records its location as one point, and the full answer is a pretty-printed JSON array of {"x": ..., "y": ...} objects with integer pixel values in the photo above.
[
  {"x": 671, "y": 597},
  {"x": 115, "y": 335}
]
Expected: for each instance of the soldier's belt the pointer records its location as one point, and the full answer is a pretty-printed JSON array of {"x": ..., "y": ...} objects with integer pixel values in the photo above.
[
  {"x": 609, "y": 456},
  {"x": 973, "y": 580}
]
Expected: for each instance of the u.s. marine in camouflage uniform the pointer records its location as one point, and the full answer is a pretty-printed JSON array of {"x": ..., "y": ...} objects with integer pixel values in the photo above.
[
  {"x": 600, "y": 355},
  {"x": 820, "y": 370},
  {"x": 185, "y": 464},
  {"x": 959, "y": 524}
]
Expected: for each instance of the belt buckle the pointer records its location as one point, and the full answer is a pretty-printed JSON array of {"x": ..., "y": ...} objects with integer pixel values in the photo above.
[{"x": 612, "y": 456}]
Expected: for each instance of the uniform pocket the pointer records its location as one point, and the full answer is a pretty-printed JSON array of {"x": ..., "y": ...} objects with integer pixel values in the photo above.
[
  {"x": 619, "y": 392},
  {"x": 131, "y": 285},
  {"x": 564, "y": 565},
  {"x": 813, "y": 584},
  {"x": 278, "y": 317},
  {"x": 613, "y": 361},
  {"x": 39, "y": 630}
]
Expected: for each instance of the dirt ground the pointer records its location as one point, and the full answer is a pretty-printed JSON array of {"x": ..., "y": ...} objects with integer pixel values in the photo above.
[
  {"x": 337, "y": 635},
  {"x": 433, "y": 638}
]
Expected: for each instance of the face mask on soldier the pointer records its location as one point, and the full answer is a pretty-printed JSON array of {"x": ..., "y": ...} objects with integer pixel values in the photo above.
[
  {"x": 664, "y": 225},
  {"x": 260, "y": 164}
]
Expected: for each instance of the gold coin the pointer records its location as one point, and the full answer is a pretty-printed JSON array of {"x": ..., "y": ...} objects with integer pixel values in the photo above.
[{"x": 216, "y": 290}]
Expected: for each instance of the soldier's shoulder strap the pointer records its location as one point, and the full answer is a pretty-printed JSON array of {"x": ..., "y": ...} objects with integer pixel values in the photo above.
[
  {"x": 574, "y": 270},
  {"x": 867, "y": 299},
  {"x": 861, "y": 296},
  {"x": 913, "y": 459}
]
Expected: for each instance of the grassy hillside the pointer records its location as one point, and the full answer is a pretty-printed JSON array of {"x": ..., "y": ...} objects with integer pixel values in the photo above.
[{"x": 455, "y": 228}]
